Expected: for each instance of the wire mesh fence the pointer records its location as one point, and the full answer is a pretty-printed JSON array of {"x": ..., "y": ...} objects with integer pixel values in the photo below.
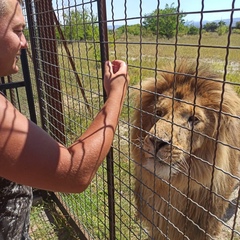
[{"x": 173, "y": 170}]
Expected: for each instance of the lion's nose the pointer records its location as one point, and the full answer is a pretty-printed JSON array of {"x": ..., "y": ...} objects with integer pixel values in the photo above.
[{"x": 158, "y": 143}]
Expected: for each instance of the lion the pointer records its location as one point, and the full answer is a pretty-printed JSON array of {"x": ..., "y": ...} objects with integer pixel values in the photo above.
[{"x": 185, "y": 146}]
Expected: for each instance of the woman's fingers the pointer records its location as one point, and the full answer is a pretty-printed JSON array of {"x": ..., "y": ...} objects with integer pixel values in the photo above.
[
  {"x": 108, "y": 68},
  {"x": 119, "y": 65}
]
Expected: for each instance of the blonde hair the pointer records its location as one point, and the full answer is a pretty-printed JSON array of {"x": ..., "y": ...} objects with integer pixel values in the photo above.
[{"x": 4, "y": 6}]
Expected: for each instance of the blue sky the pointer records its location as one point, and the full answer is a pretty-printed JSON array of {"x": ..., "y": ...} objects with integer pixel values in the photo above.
[{"x": 132, "y": 8}]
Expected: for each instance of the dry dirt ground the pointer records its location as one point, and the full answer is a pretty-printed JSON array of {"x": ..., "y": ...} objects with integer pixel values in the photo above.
[{"x": 232, "y": 217}]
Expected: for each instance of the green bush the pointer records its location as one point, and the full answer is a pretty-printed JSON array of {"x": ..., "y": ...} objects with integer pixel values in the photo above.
[
  {"x": 222, "y": 30},
  {"x": 192, "y": 30}
]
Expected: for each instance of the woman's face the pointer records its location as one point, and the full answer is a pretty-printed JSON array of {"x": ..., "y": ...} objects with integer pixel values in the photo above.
[{"x": 12, "y": 39}]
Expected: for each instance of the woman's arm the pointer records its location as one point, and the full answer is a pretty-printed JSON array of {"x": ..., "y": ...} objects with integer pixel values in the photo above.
[{"x": 29, "y": 156}]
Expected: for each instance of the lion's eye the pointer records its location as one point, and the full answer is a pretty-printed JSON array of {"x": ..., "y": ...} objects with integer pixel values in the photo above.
[
  {"x": 193, "y": 120},
  {"x": 159, "y": 113}
]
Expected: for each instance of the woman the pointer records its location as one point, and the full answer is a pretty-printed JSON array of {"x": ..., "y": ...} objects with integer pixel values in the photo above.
[{"x": 28, "y": 155}]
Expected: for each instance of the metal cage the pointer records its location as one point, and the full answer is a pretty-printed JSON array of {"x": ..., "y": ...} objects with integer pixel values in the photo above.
[{"x": 134, "y": 194}]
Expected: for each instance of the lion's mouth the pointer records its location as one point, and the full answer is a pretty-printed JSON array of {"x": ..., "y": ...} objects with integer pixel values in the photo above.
[
  {"x": 161, "y": 161},
  {"x": 160, "y": 167},
  {"x": 165, "y": 162}
]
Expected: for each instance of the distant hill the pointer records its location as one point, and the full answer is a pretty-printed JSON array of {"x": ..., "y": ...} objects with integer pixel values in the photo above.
[
  {"x": 110, "y": 27},
  {"x": 227, "y": 21},
  {"x": 196, "y": 24}
]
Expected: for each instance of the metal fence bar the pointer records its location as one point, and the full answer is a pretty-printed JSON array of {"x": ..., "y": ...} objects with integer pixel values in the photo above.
[
  {"x": 27, "y": 80},
  {"x": 4, "y": 86},
  {"x": 103, "y": 32}
]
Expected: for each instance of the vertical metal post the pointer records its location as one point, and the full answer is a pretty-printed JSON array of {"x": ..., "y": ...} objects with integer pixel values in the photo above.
[
  {"x": 36, "y": 64},
  {"x": 50, "y": 66},
  {"x": 103, "y": 33},
  {"x": 28, "y": 85}
]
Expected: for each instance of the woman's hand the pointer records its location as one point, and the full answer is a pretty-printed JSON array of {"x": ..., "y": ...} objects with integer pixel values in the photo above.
[{"x": 115, "y": 76}]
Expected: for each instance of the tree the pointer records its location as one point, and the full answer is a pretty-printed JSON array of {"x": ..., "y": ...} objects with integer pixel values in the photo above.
[
  {"x": 132, "y": 29},
  {"x": 163, "y": 22},
  {"x": 78, "y": 25},
  {"x": 211, "y": 26},
  {"x": 221, "y": 23},
  {"x": 192, "y": 30},
  {"x": 222, "y": 28},
  {"x": 238, "y": 25},
  {"x": 135, "y": 30}
]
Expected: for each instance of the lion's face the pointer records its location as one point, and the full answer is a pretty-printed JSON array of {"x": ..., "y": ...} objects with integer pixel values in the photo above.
[{"x": 176, "y": 131}]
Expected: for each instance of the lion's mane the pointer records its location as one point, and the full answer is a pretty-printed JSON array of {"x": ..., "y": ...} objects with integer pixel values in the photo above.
[{"x": 186, "y": 154}]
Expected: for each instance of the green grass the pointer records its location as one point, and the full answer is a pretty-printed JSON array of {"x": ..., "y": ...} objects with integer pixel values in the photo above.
[
  {"x": 144, "y": 61},
  {"x": 47, "y": 222}
]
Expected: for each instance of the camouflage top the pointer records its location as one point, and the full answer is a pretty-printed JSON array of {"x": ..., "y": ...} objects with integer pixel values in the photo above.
[{"x": 15, "y": 206}]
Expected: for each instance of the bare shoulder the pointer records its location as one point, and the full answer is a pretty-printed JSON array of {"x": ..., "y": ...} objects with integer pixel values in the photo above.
[{"x": 10, "y": 117}]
